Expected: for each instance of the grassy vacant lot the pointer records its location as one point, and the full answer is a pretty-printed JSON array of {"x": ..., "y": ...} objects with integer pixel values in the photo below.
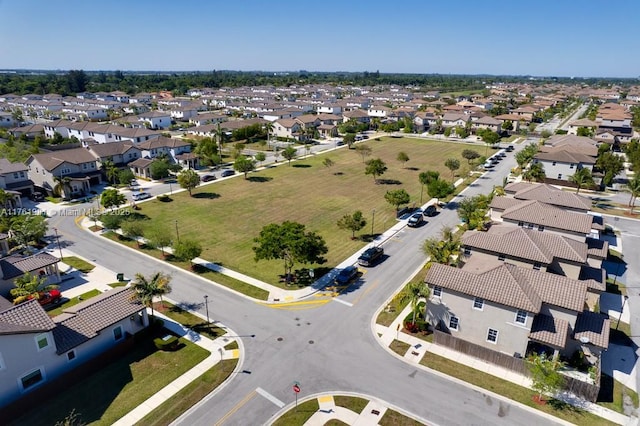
[
  {"x": 119, "y": 387},
  {"x": 510, "y": 390},
  {"x": 226, "y": 216}
]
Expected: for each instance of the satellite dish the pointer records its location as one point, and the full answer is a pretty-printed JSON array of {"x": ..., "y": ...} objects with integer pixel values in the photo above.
[{"x": 584, "y": 339}]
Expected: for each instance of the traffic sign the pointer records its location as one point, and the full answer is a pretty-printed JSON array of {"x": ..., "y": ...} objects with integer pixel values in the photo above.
[{"x": 296, "y": 388}]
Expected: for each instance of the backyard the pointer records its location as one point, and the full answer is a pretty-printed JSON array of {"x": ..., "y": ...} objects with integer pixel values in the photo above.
[{"x": 226, "y": 216}]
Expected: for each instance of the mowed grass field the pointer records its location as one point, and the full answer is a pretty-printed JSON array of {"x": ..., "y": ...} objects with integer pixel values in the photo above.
[{"x": 226, "y": 216}]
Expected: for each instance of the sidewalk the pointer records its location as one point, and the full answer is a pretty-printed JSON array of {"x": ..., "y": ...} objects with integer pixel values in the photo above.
[{"x": 419, "y": 348}]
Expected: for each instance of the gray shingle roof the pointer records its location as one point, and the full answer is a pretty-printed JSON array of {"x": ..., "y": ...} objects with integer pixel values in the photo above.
[
  {"x": 26, "y": 317},
  {"x": 83, "y": 321},
  {"x": 549, "y": 330},
  {"x": 51, "y": 160},
  {"x": 593, "y": 326},
  {"x": 526, "y": 244}
]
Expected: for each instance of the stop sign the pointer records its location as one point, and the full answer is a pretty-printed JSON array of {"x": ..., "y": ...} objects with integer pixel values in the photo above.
[{"x": 296, "y": 388}]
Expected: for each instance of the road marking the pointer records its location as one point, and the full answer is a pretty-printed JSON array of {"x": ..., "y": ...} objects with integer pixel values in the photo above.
[
  {"x": 335, "y": 299},
  {"x": 328, "y": 398},
  {"x": 368, "y": 289},
  {"x": 236, "y": 408},
  {"x": 270, "y": 397},
  {"x": 305, "y": 304}
]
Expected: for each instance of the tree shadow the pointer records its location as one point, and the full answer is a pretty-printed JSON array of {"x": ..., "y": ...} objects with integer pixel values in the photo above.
[
  {"x": 606, "y": 388},
  {"x": 301, "y": 166},
  {"x": 389, "y": 182},
  {"x": 206, "y": 195},
  {"x": 556, "y": 404},
  {"x": 134, "y": 215},
  {"x": 415, "y": 169},
  {"x": 338, "y": 174},
  {"x": 259, "y": 179}
]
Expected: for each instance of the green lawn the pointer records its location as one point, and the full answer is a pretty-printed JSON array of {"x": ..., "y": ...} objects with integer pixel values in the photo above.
[
  {"x": 119, "y": 387},
  {"x": 298, "y": 416},
  {"x": 73, "y": 301},
  {"x": 399, "y": 347},
  {"x": 226, "y": 216},
  {"x": 615, "y": 392},
  {"x": 79, "y": 264},
  {"x": 393, "y": 418},
  {"x": 510, "y": 390},
  {"x": 353, "y": 403},
  {"x": 189, "y": 320}
]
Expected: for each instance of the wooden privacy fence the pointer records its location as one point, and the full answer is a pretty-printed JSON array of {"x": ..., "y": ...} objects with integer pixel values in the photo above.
[{"x": 575, "y": 386}]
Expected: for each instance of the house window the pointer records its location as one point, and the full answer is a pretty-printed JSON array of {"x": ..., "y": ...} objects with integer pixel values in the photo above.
[
  {"x": 501, "y": 257},
  {"x": 453, "y": 323},
  {"x": 71, "y": 355},
  {"x": 478, "y": 303},
  {"x": 467, "y": 251},
  {"x": 559, "y": 175},
  {"x": 84, "y": 166},
  {"x": 553, "y": 164},
  {"x": 117, "y": 333},
  {"x": 537, "y": 266},
  {"x": 520, "y": 223},
  {"x": 42, "y": 341},
  {"x": 437, "y": 291},
  {"x": 22, "y": 174},
  {"x": 31, "y": 379},
  {"x": 15, "y": 175},
  {"x": 529, "y": 225},
  {"x": 492, "y": 336},
  {"x": 521, "y": 317},
  {"x": 540, "y": 227},
  {"x": 571, "y": 166}
]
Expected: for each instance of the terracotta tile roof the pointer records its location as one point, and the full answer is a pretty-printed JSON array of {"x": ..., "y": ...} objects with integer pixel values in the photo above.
[
  {"x": 51, "y": 160},
  {"x": 555, "y": 289},
  {"x": 549, "y": 330},
  {"x": 103, "y": 150},
  {"x": 596, "y": 278},
  {"x": 528, "y": 244},
  {"x": 162, "y": 142},
  {"x": 498, "y": 285},
  {"x": 141, "y": 163},
  {"x": 87, "y": 319},
  {"x": 550, "y": 216},
  {"x": 593, "y": 326},
  {"x": 504, "y": 203},
  {"x": 15, "y": 265},
  {"x": 597, "y": 248},
  {"x": 565, "y": 156},
  {"x": 27, "y": 317},
  {"x": 548, "y": 194}
]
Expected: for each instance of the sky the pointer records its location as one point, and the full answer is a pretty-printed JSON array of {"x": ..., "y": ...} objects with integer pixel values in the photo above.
[{"x": 567, "y": 38}]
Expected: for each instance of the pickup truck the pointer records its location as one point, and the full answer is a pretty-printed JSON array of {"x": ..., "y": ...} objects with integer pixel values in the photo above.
[{"x": 370, "y": 256}]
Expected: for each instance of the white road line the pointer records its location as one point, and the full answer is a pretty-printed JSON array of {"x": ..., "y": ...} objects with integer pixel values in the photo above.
[
  {"x": 335, "y": 299},
  {"x": 270, "y": 397}
]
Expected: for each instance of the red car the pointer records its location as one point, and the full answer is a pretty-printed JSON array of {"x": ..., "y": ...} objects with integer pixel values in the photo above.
[{"x": 48, "y": 297}]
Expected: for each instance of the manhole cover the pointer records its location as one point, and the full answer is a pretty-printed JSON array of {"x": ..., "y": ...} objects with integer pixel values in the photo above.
[
  {"x": 280, "y": 339},
  {"x": 298, "y": 324},
  {"x": 311, "y": 342}
]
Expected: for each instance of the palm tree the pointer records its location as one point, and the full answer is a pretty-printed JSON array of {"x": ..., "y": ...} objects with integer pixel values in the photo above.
[
  {"x": 581, "y": 178},
  {"x": 62, "y": 187},
  {"x": 219, "y": 133},
  {"x": 634, "y": 187},
  {"x": 110, "y": 170},
  {"x": 146, "y": 289},
  {"x": 412, "y": 293},
  {"x": 5, "y": 198},
  {"x": 268, "y": 127},
  {"x": 28, "y": 285},
  {"x": 445, "y": 249}
]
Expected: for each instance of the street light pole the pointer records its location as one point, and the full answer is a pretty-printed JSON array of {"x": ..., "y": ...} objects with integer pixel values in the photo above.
[
  {"x": 58, "y": 240},
  {"x": 177, "y": 233},
  {"x": 373, "y": 219},
  {"x": 622, "y": 310},
  {"x": 206, "y": 304}
]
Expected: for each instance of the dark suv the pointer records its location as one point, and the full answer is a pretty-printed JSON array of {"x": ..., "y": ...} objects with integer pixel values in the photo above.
[
  {"x": 346, "y": 275},
  {"x": 370, "y": 256}
]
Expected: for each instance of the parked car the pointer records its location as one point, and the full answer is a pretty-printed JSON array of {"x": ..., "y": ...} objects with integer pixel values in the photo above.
[
  {"x": 509, "y": 148},
  {"x": 227, "y": 172},
  {"x": 347, "y": 275},
  {"x": 416, "y": 220},
  {"x": 48, "y": 297},
  {"x": 371, "y": 256},
  {"x": 207, "y": 178},
  {"x": 502, "y": 153},
  {"x": 488, "y": 165},
  {"x": 430, "y": 211},
  {"x": 137, "y": 196},
  {"x": 134, "y": 182}
]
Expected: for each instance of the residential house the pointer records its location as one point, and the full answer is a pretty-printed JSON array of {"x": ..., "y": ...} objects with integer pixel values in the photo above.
[
  {"x": 287, "y": 128},
  {"x": 174, "y": 149},
  {"x": 379, "y": 111},
  {"x": 207, "y": 118},
  {"x": 14, "y": 178},
  {"x": 563, "y": 155},
  {"x": 583, "y": 122},
  {"x": 549, "y": 195},
  {"x": 41, "y": 264},
  {"x": 120, "y": 153},
  {"x": 487, "y": 123},
  {"x": 452, "y": 119},
  {"x": 156, "y": 119},
  {"x": 6, "y": 119},
  {"x": 512, "y": 310},
  {"x": 329, "y": 108},
  {"x": 35, "y": 349},
  {"x": 77, "y": 168}
]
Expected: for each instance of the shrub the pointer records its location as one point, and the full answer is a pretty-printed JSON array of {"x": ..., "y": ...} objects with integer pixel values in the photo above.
[
  {"x": 167, "y": 343},
  {"x": 164, "y": 198}
]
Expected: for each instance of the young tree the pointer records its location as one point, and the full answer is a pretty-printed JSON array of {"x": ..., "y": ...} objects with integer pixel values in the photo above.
[
  {"x": 402, "y": 158},
  {"x": 260, "y": 157},
  {"x": 473, "y": 211},
  {"x": 25, "y": 229},
  {"x": 352, "y": 222},
  {"x": 363, "y": 150},
  {"x": 146, "y": 289},
  {"x": 132, "y": 229},
  {"x": 397, "y": 197},
  {"x": 439, "y": 188},
  {"x": 633, "y": 186},
  {"x": 187, "y": 250},
  {"x": 289, "y": 153},
  {"x": 452, "y": 164},
  {"x": 62, "y": 187},
  {"x": 29, "y": 286},
  {"x": 208, "y": 151},
  {"x": 582, "y": 179},
  {"x": 244, "y": 165},
  {"x": 112, "y": 198},
  {"x": 125, "y": 176},
  {"x": 610, "y": 164},
  {"x": 159, "y": 169},
  {"x": 158, "y": 237},
  {"x": 545, "y": 374},
  {"x": 413, "y": 293},
  {"x": 188, "y": 179},
  {"x": 535, "y": 173},
  {"x": 291, "y": 243},
  {"x": 349, "y": 139},
  {"x": 111, "y": 171},
  {"x": 470, "y": 155},
  {"x": 375, "y": 167}
]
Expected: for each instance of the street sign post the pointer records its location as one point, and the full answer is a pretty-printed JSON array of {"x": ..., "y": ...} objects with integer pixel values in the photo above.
[{"x": 296, "y": 391}]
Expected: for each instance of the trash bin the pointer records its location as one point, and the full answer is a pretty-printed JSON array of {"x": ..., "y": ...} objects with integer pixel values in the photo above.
[{"x": 120, "y": 276}]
